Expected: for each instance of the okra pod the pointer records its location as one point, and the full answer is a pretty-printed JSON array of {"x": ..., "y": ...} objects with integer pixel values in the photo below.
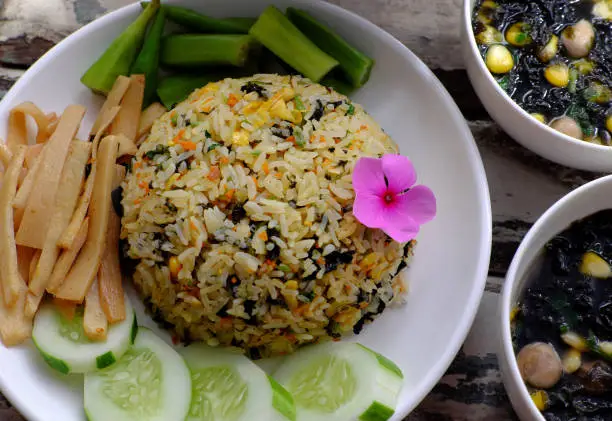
[
  {"x": 118, "y": 58},
  {"x": 147, "y": 62},
  {"x": 276, "y": 32},
  {"x": 355, "y": 65},
  {"x": 193, "y": 50}
]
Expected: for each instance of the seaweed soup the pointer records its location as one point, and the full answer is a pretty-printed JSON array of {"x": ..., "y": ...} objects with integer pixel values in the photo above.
[
  {"x": 534, "y": 35},
  {"x": 563, "y": 324}
]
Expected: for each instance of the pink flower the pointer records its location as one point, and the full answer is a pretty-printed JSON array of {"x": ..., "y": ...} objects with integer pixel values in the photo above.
[{"x": 386, "y": 199}]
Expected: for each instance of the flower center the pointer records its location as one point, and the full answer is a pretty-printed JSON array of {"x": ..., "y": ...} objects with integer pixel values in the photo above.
[{"x": 389, "y": 197}]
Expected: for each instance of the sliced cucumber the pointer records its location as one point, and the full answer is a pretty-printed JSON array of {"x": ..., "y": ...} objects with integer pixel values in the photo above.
[
  {"x": 229, "y": 387},
  {"x": 341, "y": 382},
  {"x": 149, "y": 383},
  {"x": 64, "y": 346}
]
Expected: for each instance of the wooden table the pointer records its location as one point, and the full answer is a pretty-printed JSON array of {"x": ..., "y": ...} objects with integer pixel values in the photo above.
[{"x": 472, "y": 388}]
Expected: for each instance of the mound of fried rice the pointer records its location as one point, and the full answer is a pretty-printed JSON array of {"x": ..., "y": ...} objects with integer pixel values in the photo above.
[{"x": 237, "y": 212}]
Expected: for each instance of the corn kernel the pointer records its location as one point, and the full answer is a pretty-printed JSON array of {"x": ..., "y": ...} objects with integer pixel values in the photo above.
[
  {"x": 291, "y": 301},
  {"x": 609, "y": 123},
  {"x": 549, "y": 51},
  {"x": 540, "y": 399},
  {"x": 606, "y": 347},
  {"x": 539, "y": 117},
  {"x": 174, "y": 266},
  {"x": 291, "y": 284},
  {"x": 557, "y": 74},
  {"x": 575, "y": 341},
  {"x": 499, "y": 60},
  {"x": 594, "y": 265},
  {"x": 518, "y": 34},
  {"x": 572, "y": 360},
  {"x": 240, "y": 138},
  {"x": 513, "y": 313}
]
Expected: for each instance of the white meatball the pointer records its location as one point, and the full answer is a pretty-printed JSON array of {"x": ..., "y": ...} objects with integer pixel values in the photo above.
[
  {"x": 568, "y": 126},
  {"x": 540, "y": 365},
  {"x": 578, "y": 39}
]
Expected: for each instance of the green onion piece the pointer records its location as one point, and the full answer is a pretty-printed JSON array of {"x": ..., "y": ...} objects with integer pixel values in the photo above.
[
  {"x": 175, "y": 89},
  {"x": 280, "y": 36},
  {"x": 284, "y": 268},
  {"x": 118, "y": 58},
  {"x": 299, "y": 105},
  {"x": 205, "y": 24},
  {"x": 355, "y": 65},
  {"x": 351, "y": 110},
  {"x": 147, "y": 62},
  {"x": 203, "y": 50}
]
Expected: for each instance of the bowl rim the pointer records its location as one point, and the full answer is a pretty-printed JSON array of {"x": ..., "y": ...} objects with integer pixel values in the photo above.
[
  {"x": 511, "y": 283},
  {"x": 485, "y": 241},
  {"x": 468, "y": 7}
]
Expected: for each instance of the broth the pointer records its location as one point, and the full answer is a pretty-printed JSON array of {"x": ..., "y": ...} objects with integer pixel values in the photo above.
[{"x": 580, "y": 87}]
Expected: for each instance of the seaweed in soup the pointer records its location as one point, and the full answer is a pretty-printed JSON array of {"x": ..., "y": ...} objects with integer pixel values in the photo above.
[
  {"x": 535, "y": 67},
  {"x": 565, "y": 298}
]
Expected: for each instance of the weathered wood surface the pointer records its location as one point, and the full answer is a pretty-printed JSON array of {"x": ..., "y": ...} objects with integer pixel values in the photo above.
[{"x": 472, "y": 388}]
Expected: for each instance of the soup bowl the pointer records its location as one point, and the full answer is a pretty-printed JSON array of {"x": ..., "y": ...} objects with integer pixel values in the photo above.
[
  {"x": 580, "y": 203},
  {"x": 518, "y": 123}
]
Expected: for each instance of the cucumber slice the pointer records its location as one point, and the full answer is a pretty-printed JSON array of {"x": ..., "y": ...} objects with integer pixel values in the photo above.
[
  {"x": 64, "y": 346},
  {"x": 149, "y": 383},
  {"x": 230, "y": 387},
  {"x": 341, "y": 382}
]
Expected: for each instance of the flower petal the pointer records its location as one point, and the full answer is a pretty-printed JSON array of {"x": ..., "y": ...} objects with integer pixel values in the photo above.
[
  {"x": 368, "y": 177},
  {"x": 402, "y": 232},
  {"x": 370, "y": 210},
  {"x": 399, "y": 171},
  {"x": 418, "y": 204}
]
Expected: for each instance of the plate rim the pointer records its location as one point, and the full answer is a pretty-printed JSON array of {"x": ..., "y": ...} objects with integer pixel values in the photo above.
[{"x": 462, "y": 330}]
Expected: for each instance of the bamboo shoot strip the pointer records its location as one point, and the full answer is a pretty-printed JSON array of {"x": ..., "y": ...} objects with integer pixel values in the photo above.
[
  {"x": 25, "y": 188},
  {"x": 112, "y": 100},
  {"x": 80, "y": 213},
  {"x": 148, "y": 117},
  {"x": 5, "y": 154},
  {"x": 65, "y": 203},
  {"x": 67, "y": 258},
  {"x": 18, "y": 127},
  {"x": 15, "y": 327},
  {"x": 109, "y": 274},
  {"x": 34, "y": 225},
  {"x": 95, "y": 324},
  {"x": 11, "y": 281},
  {"x": 128, "y": 119},
  {"x": 32, "y": 153},
  {"x": 86, "y": 266},
  {"x": 33, "y": 264},
  {"x": 24, "y": 258}
]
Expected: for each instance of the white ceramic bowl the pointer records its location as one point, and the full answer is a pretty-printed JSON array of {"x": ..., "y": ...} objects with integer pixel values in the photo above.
[
  {"x": 526, "y": 130},
  {"x": 582, "y": 202},
  {"x": 450, "y": 267}
]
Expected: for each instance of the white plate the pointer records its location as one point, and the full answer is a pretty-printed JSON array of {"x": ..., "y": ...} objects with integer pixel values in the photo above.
[{"x": 449, "y": 270}]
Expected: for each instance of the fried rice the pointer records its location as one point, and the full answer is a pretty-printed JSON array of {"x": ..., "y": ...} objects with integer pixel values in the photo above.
[{"x": 237, "y": 213}]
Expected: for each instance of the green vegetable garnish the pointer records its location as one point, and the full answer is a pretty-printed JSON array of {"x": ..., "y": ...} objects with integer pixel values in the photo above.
[
  {"x": 147, "y": 62},
  {"x": 194, "y": 50},
  {"x": 355, "y": 65},
  {"x": 351, "y": 110},
  {"x": 206, "y": 24},
  {"x": 299, "y": 105},
  {"x": 175, "y": 89},
  {"x": 118, "y": 58},
  {"x": 280, "y": 36}
]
